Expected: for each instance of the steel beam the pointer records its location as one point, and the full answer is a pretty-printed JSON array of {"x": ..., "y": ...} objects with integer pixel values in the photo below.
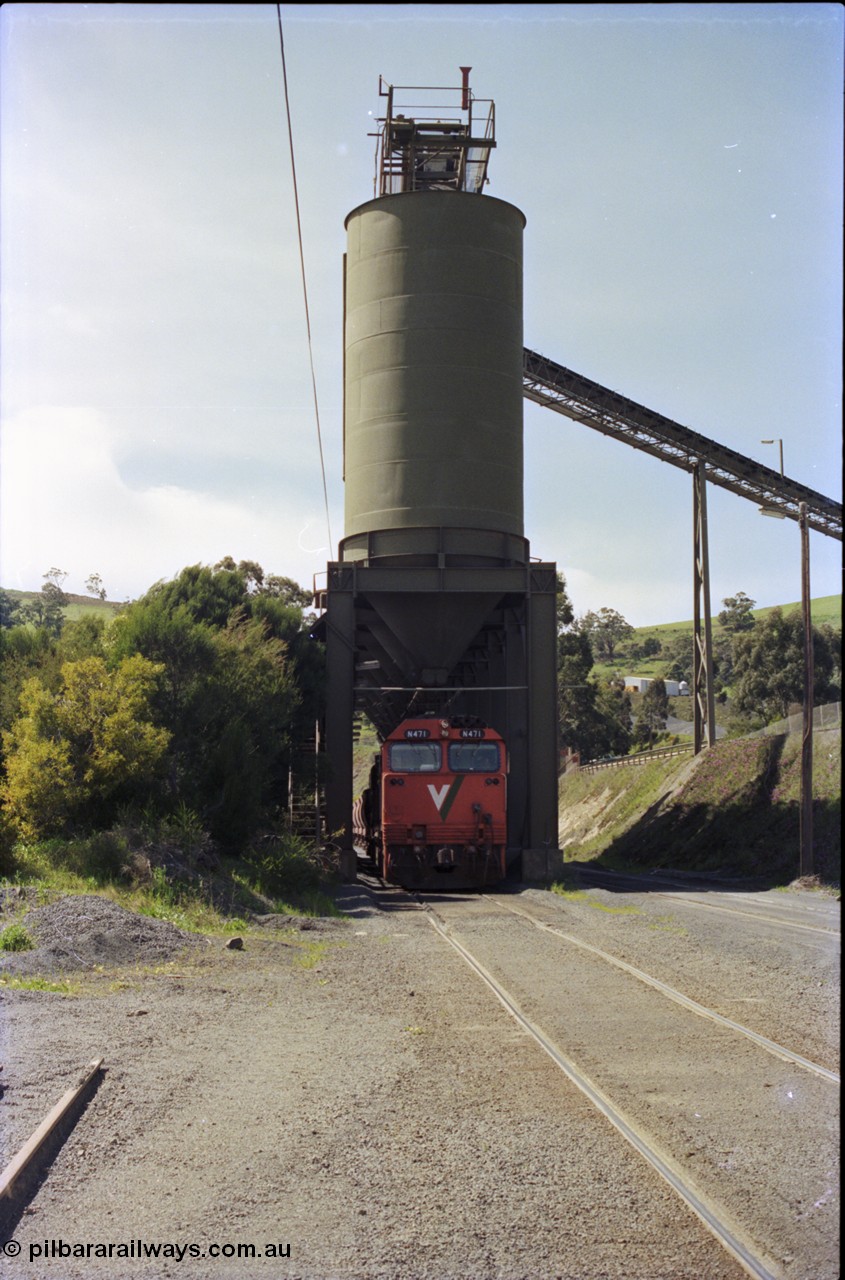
[{"x": 577, "y": 397}]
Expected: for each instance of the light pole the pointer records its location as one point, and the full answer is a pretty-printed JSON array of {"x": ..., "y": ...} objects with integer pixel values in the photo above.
[
  {"x": 806, "y": 860},
  {"x": 777, "y": 440},
  {"x": 773, "y": 511}
]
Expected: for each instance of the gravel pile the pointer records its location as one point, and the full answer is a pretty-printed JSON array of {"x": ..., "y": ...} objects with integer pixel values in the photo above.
[{"x": 79, "y": 932}]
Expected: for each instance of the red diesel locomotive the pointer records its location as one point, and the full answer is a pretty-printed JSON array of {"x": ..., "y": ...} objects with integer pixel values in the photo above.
[{"x": 434, "y": 814}]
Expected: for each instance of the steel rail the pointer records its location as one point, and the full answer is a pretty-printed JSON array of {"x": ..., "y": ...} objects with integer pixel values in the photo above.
[
  {"x": 752, "y": 915},
  {"x": 713, "y": 906},
  {"x": 550, "y": 384},
  {"x": 709, "y": 1214},
  {"x": 778, "y": 1050}
]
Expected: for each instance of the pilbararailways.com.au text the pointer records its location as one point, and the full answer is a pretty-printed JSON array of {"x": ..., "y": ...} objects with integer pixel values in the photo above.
[{"x": 149, "y": 1249}]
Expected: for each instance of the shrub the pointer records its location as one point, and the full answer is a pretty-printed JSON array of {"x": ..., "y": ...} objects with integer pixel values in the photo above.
[
  {"x": 15, "y": 938},
  {"x": 284, "y": 865},
  {"x": 72, "y": 754}
]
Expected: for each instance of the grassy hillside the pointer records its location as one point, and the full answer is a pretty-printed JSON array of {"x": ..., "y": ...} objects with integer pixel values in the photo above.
[
  {"x": 77, "y": 606},
  {"x": 825, "y": 609},
  {"x": 733, "y": 809}
]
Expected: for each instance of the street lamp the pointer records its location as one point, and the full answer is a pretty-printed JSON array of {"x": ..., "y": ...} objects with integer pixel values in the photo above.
[
  {"x": 773, "y": 511},
  {"x": 779, "y": 443}
]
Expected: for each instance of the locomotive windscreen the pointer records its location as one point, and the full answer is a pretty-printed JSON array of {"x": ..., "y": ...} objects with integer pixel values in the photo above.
[
  {"x": 415, "y": 757},
  {"x": 474, "y": 757}
]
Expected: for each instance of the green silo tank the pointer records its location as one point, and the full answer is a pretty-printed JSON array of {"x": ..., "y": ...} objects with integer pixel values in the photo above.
[{"x": 433, "y": 375}]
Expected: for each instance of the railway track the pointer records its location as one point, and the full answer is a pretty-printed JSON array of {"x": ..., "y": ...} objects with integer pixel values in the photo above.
[
  {"x": 682, "y": 890},
  {"x": 670, "y": 1075},
  {"x": 779, "y": 1051}
]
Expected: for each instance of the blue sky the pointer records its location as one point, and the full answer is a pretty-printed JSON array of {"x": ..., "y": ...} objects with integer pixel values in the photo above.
[{"x": 679, "y": 167}]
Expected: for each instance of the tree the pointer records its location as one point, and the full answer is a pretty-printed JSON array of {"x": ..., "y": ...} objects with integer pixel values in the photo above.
[
  {"x": 47, "y": 610},
  {"x": 565, "y": 611},
  {"x": 94, "y": 586},
  {"x": 678, "y": 652},
  {"x": 576, "y": 693},
  {"x": 606, "y": 630},
  {"x": 10, "y": 610},
  {"x": 652, "y": 714},
  {"x": 768, "y": 674},
  {"x": 736, "y": 615},
  {"x": 242, "y": 685},
  {"x": 614, "y": 724},
  {"x": 72, "y": 755}
]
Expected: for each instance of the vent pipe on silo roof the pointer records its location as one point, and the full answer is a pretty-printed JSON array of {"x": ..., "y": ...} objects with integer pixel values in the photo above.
[{"x": 465, "y": 88}]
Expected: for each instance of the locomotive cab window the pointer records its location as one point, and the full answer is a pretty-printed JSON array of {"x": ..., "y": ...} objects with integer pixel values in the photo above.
[
  {"x": 474, "y": 757},
  {"x": 415, "y": 757}
]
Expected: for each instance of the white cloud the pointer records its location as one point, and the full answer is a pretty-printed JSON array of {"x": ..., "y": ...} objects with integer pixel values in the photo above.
[{"x": 66, "y": 503}]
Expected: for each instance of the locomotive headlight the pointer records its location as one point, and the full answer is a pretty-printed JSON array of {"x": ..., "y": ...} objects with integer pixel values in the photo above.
[{"x": 419, "y": 833}]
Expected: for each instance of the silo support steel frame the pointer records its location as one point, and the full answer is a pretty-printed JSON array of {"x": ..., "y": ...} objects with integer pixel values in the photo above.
[
  {"x": 704, "y": 703},
  {"x": 523, "y": 705},
  {"x": 340, "y": 673},
  {"x": 541, "y": 859}
]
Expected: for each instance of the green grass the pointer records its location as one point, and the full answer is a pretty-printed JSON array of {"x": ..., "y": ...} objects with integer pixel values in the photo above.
[
  {"x": 59, "y": 986},
  {"x": 121, "y": 864},
  {"x": 77, "y": 606},
  {"x": 825, "y": 609}
]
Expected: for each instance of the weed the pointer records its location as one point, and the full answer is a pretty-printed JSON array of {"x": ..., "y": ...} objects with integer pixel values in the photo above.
[
  {"x": 284, "y": 866},
  {"x": 15, "y": 938},
  {"x": 571, "y": 895},
  {"x": 311, "y": 955},
  {"x": 614, "y": 911},
  {"x": 665, "y": 924},
  {"x": 580, "y": 895}
]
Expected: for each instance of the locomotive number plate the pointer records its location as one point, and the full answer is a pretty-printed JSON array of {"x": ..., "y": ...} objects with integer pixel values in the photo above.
[
  {"x": 417, "y": 733},
  {"x": 475, "y": 734}
]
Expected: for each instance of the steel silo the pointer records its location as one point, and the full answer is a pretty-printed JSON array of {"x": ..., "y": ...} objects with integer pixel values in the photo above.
[{"x": 433, "y": 366}]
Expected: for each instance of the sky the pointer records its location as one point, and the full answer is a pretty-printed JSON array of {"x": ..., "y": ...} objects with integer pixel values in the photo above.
[{"x": 680, "y": 170}]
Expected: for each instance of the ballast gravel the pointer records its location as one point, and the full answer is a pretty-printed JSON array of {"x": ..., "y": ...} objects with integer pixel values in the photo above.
[
  {"x": 346, "y": 1100},
  {"x": 87, "y": 930}
]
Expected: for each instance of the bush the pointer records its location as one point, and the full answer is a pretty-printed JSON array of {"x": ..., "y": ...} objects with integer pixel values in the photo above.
[
  {"x": 284, "y": 865},
  {"x": 71, "y": 755}
]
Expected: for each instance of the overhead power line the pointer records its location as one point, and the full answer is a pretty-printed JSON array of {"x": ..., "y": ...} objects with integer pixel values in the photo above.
[{"x": 302, "y": 267}]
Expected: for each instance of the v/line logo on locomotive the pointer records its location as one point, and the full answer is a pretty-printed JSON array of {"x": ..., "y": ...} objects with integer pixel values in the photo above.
[
  {"x": 439, "y": 794},
  {"x": 435, "y": 812}
]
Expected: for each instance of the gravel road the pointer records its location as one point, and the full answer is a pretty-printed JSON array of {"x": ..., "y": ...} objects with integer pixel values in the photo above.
[{"x": 350, "y": 1097}]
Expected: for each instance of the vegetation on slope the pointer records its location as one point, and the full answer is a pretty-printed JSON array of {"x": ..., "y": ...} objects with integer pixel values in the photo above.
[{"x": 734, "y": 809}]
